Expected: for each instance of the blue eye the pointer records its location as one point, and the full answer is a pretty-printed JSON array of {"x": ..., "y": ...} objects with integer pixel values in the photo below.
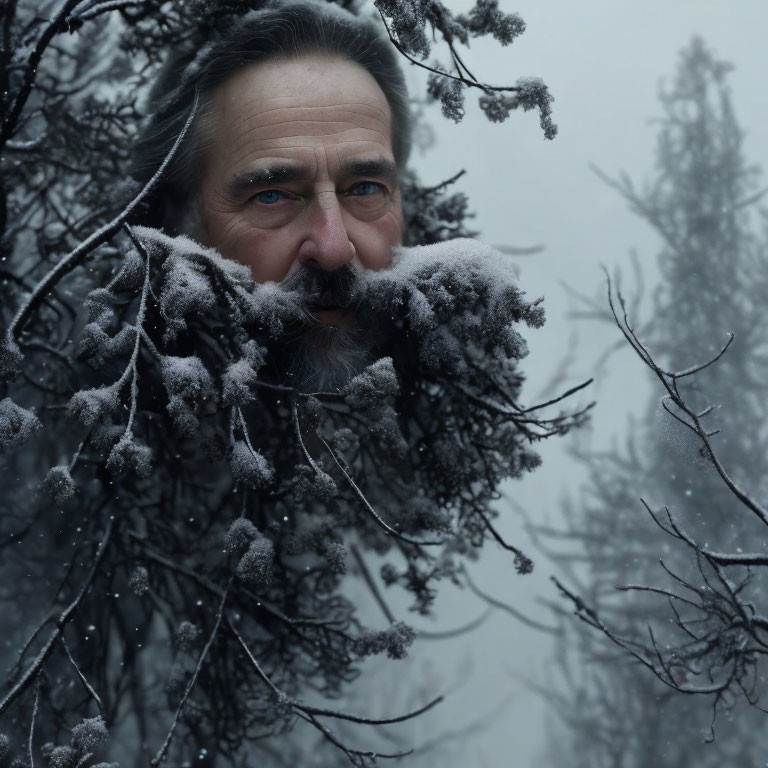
[
  {"x": 269, "y": 196},
  {"x": 365, "y": 188}
]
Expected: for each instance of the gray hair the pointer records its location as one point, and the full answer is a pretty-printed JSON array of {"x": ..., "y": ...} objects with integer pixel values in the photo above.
[{"x": 288, "y": 30}]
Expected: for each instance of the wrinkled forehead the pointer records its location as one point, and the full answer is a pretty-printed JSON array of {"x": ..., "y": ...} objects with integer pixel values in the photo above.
[
  {"x": 313, "y": 77},
  {"x": 313, "y": 95},
  {"x": 318, "y": 114}
]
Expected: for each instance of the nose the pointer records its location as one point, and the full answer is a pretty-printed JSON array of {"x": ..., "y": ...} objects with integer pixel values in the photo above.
[{"x": 326, "y": 244}]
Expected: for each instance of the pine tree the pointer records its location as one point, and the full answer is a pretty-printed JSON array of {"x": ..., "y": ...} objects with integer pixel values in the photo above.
[{"x": 632, "y": 710}]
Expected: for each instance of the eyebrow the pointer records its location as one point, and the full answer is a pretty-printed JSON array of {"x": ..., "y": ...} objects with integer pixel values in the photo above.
[
  {"x": 245, "y": 181},
  {"x": 376, "y": 168},
  {"x": 241, "y": 183}
]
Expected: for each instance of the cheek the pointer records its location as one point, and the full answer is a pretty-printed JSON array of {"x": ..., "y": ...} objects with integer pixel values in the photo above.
[
  {"x": 375, "y": 240},
  {"x": 268, "y": 253}
]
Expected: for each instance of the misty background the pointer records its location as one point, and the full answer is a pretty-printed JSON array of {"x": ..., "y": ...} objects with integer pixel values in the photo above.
[{"x": 603, "y": 61}]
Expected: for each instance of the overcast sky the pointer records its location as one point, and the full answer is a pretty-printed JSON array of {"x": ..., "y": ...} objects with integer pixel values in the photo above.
[{"x": 603, "y": 61}]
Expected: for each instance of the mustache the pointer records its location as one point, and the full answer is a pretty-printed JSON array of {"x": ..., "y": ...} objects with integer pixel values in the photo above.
[{"x": 317, "y": 288}]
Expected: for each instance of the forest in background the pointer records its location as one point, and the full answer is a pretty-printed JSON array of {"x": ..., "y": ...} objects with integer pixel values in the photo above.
[{"x": 697, "y": 735}]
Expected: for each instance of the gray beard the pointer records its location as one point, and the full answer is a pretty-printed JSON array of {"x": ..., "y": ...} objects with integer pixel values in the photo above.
[
  {"x": 323, "y": 358},
  {"x": 311, "y": 356}
]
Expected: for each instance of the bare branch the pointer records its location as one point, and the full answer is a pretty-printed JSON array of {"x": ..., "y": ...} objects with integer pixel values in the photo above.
[
  {"x": 371, "y": 584},
  {"x": 367, "y": 506},
  {"x": 521, "y": 617},
  {"x": 101, "y": 235},
  {"x": 557, "y": 399},
  {"x": 88, "y": 687},
  {"x": 30, "y": 72},
  {"x": 61, "y": 622},
  {"x": 32, "y": 722},
  {"x": 162, "y": 752}
]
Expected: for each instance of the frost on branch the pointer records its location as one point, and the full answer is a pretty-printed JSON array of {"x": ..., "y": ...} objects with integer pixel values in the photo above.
[
  {"x": 373, "y": 388},
  {"x": 496, "y": 106},
  {"x": 259, "y": 489},
  {"x": 91, "y": 405},
  {"x": 10, "y": 359},
  {"x": 187, "y": 636},
  {"x": 441, "y": 289},
  {"x": 17, "y": 425},
  {"x": 394, "y": 641},
  {"x": 130, "y": 455},
  {"x": 408, "y": 20},
  {"x": 186, "y": 290},
  {"x": 486, "y": 18},
  {"x": 411, "y": 24},
  {"x": 249, "y": 466},
  {"x": 240, "y": 534},
  {"x": 256, "y": 565},
  {"x": 188, "y": 383},
  {"x": 238, "y": 382},
  {"x": 62, "y": 757},
  {"x": 204, "y": 507},
  {"x": 89, "y": 734},
  {"x": 432, "y": 213},
  {"x": 58, "y": 484},
  {"x": 139, "y": 581},
  {"x": 335, "y": 554},
  {"x": 450, "y": 94},
  {"x": 533, "y": 94},
  {"x": 312, "y": 485},
  {"x": 86, "y": 738},
  {"x": 97, "y": 346}
]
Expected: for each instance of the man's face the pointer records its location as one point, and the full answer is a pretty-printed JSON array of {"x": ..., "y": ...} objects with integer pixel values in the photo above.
[{"x": 300, "y": 172}]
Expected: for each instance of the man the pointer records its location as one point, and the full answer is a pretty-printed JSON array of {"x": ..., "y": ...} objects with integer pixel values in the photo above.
[
  {"x": 300, "y": 171},
  {"x": 235, "y": 440},
  {"x": 291, "y": 166}
]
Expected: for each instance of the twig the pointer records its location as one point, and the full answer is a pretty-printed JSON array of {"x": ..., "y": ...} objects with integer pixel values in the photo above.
[
  {"x": 442, "y": 185},
  {"x": 470, "y": 626},
  {"x": 557, "y": 399},
  {"x": 101, "y": 235},
  {"x": 217, "y": 591},
  {"x": 88, "y": 687},
  {"x": 496, "y": 535},
  {"x": 30, "y": 73},
  {"x": 299, "y": 437},
  {"x": 460, "y": 78},
  {"x": 32, "y": 722},
  {"x": 532, "y": 623},
  {"x": 61, "y": 622},
  {"x": 372, "y": 586},
  {"x": 113, "y": 5},
  {"x": 132, "y": 367},
  {"x": 370, "y": 720},
  {"x": 669, "y": 382},
  {"x": 161, "y": 754},
  {"x": 309, "y": 713},
  {"x": 371, "y": 511}
]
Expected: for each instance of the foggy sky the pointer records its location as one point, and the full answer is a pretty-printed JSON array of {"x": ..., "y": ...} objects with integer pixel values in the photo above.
[{"x": 603, "y": 61}]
